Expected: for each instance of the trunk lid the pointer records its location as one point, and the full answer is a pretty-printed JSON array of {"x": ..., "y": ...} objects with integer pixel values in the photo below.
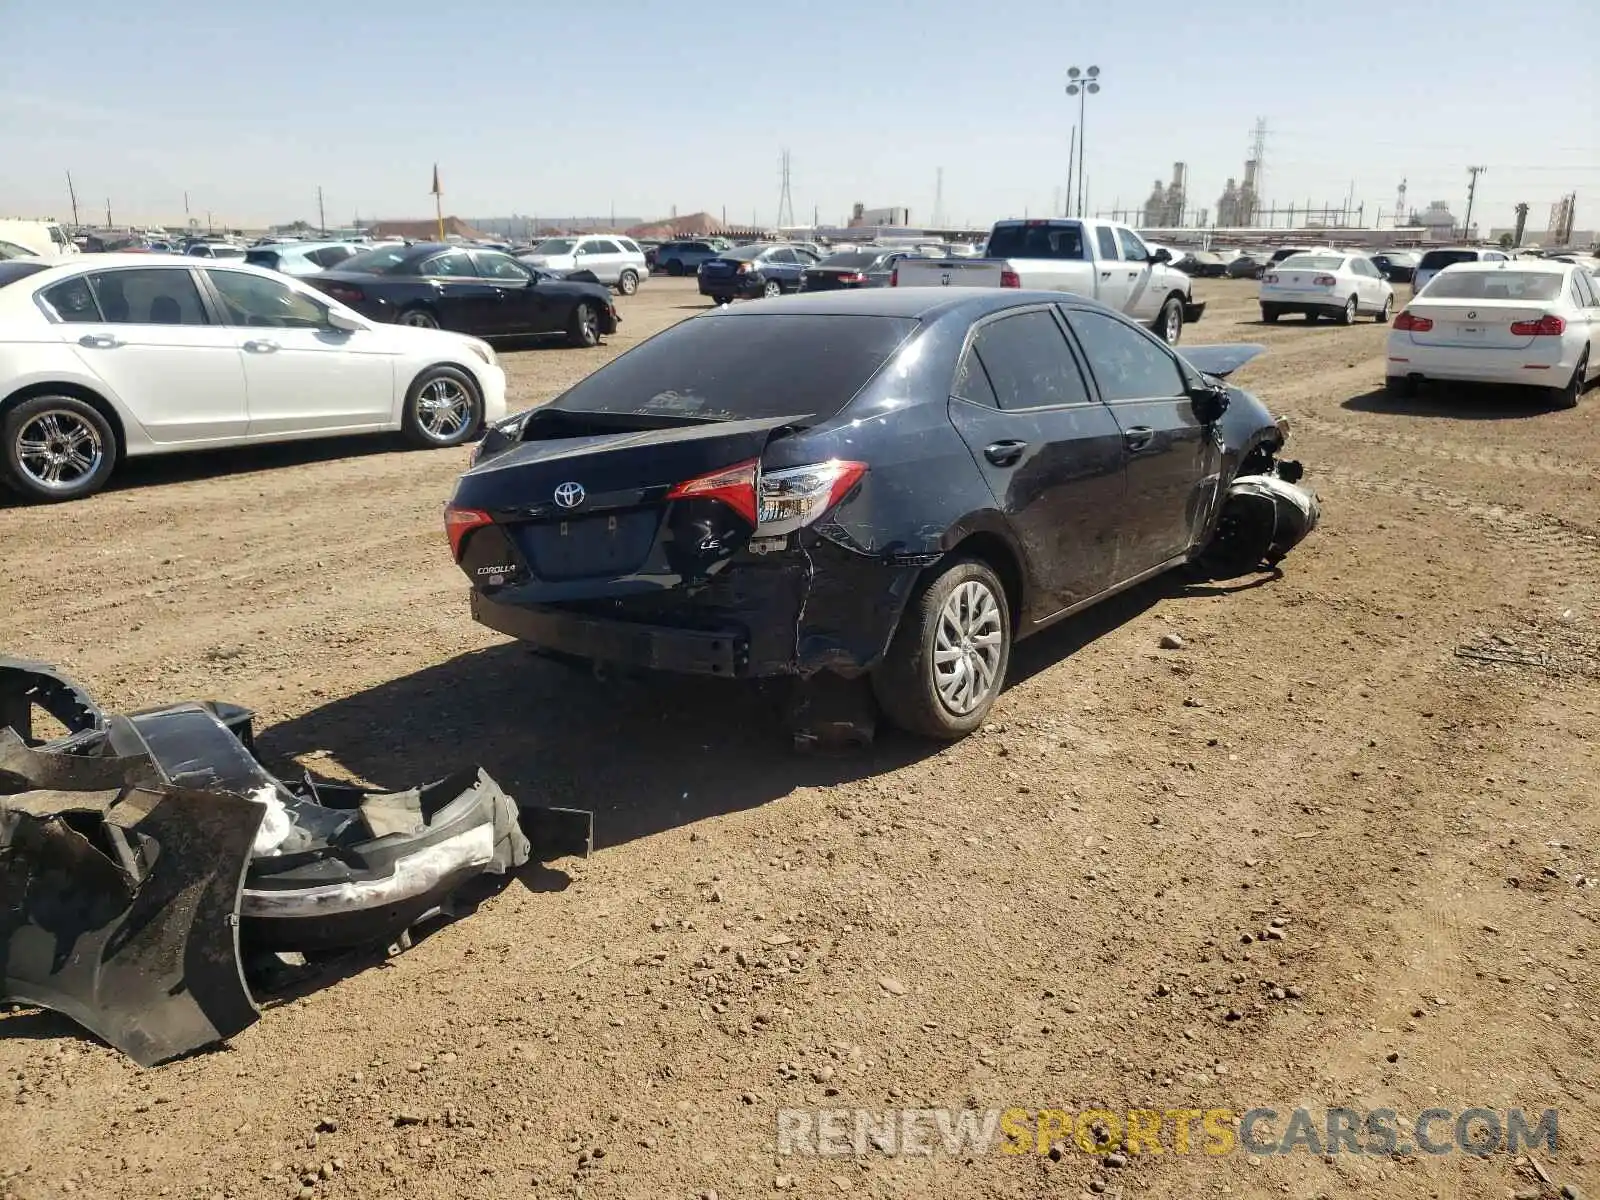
[
  {"x": 720, "y": 268},
  {"x": 1483, "y": 324},
  {"x": 828, "y": 279},
  {"x": 950, "y": 272},
  {"x": 581, "y": 510}
]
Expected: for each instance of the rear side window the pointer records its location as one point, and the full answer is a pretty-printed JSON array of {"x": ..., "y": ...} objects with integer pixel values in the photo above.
[
  {"x": 1028, "y": 362},
  {"x": 263, "y": 258},
  {"x": 454, "y": 265},
  {"x": 1108, "y": 243},
  {"x": 152, "y": 297},
  {"x": 1127, "y": 363},
  {"x": 1037, "y": 241},
  {"x": 72, "y": 301},
  {"x": 725, "y": 367},
  {"x": 330, "y": 255}
]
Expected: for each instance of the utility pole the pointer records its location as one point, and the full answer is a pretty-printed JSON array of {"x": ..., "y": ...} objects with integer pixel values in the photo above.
[
  {"x": 1082, "y": 84},
  {"x": 938, "y": 198},
  {"x": 1472, "y": 188},
  {"x": 322, "y": 217},
  {"x": 1072, "y": 162},
  {"x": 108, "y": 212},
  {"x": 73, "y": 192}
]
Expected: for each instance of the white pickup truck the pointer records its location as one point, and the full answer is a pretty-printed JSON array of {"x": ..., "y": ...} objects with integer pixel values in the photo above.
[{"x": 1099, "y": 259}]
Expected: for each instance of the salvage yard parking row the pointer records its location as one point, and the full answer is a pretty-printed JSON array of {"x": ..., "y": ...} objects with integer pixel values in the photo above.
[{"x": 1386, "y": 753}]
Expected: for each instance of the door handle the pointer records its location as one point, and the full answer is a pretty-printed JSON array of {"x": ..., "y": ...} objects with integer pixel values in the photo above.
[
  {"x": 1006, "y": 453},
  {"x": 1138, "y": 437},
  {"x": 261, "y": 346},
  {"x": 99, "y": 341}
]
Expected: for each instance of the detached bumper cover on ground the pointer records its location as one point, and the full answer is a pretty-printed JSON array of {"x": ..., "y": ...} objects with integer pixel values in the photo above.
[{"x": 137, "y": 851}]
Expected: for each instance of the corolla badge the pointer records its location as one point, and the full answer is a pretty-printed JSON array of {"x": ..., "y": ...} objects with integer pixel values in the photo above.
[{"x": 570, "y": 495}]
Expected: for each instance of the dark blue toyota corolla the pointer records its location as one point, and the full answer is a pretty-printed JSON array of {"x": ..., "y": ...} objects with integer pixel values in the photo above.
[{"x": 885, "y": 483}]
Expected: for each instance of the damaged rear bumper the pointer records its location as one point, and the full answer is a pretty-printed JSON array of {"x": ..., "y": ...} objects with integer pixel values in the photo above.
[{"x": 138, "y": 851}]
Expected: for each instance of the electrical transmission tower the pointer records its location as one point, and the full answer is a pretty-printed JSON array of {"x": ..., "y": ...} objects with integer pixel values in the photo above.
[
  {"x": 1400, "y": 215},
  {"x": 785, "y": 200},
  {"x": 1472, "y": 189}
]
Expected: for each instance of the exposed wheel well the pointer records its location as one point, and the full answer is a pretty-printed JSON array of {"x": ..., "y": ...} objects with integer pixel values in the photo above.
[
  {"x": 90, "y": 397},
  {"x": 993, "y": 550}
]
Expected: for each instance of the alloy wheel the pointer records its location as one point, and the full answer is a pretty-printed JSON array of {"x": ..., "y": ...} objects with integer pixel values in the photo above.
[
  {"x": 419, "y": 318},
  {"x": 57, "y": 450},
  {"x": 967, "y": 648},
  {"x": 772, "y": 290},
  {"x": 443, "y": 408},
  {"x": 1174, "y": 325}
]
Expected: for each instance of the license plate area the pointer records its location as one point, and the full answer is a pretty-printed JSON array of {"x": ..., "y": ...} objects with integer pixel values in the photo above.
[{"x": 603, "y": 544}]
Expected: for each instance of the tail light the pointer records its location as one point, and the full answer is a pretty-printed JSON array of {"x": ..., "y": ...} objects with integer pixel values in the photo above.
[
  {"x": 1548, "y": 325},
  {"x": 775, "y": 502},
  {"x": 1269, "y": 279},
  {"x": 1325, "y": 281},
  {"x": 796, "y": 496},
  {"x": 1406, "y": 321},
  {"x": 853, "y": 277},
  {"x": 458, "y": 522},
  {"x": 1009, "y": 278},
  {"x": 745, "y": 268},
  {"x": 894, "y": 277},
  {"x": 344, "y": 293},
  {"x": 735, "y": 486}
]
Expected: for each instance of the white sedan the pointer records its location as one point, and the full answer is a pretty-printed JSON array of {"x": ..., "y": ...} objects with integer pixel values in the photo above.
[
  {"x": 116, "y": 355},
  {"x": 1326, "y": 283},
  {"x": 1526, "y": 322}
]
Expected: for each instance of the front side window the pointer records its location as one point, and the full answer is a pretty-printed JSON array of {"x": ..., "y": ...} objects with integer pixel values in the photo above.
[
  {"x": 454, "y": 265},
  {"x": 1127, "y": 363},
  {"x": 148, "y": 297},
  {"x": 1133, "y": 250},
  {"x": 1028, "y": 363},
  {"x": 500, "y": 266},
  {"x": 258, "y": 302}
]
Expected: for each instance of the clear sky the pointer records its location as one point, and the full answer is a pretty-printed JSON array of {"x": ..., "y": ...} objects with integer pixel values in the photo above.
[{"x": 574, "y": 109}]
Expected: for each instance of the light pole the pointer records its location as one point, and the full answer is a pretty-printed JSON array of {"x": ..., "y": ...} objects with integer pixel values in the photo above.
[{"x": 1082, "y": 84}]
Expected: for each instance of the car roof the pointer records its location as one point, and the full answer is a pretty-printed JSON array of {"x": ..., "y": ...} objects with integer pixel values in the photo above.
[
  {"x": 86, "y": 263},
  {"x": 1511, "y": 264},
  {"x": 921, "y": 303}
]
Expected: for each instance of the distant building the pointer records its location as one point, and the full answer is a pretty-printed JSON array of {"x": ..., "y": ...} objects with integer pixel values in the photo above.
[
  {"x": 1439, "y": 221},
  {"x": 863, "y": 217},
  {"x": 426, "y": 231}
]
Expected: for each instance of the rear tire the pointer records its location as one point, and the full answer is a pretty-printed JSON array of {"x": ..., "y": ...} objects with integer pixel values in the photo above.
[
  {"x": 962, "y": 618},
  {"x": 1400, "y": 386},
  {"x": 61, "y": 437},
  {"x": 628, "y": 283},
  {"x": 674, "y": 267},
  {"x": 583, "y": 329},
  {"x": 418, "y": 318},
  {"x": 1347, "y": 315},
  {"x": 1270, "y": 314},
  {"x": 1383, "y": 313},
  {"x": 443, "y": 408},
  {"x": 771, "y": 290},
  {"x": 1567, "y": 397}
]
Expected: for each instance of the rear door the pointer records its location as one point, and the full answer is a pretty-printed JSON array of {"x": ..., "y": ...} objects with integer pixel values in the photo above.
[
  {"x": 303, "y": 376},
  {"x": 1172, "y": 460},
  {"x": 602, "y": 256},
  {"x": 784, "y": 265},
  {"x": 149, "y": 335},
  {"x": 465, "y": 303},
  {"x": 1050, "y": 452},
  {"x": 1144, "y": 301}
]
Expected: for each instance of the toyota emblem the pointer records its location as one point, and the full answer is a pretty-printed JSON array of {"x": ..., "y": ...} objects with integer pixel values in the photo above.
[
  {"x": 570, "y": 495},
  {"x": 1473, "y": 315}
]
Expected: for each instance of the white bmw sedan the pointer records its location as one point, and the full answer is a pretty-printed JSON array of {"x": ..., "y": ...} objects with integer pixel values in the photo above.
[
  {"x": 1326, "y": 283},
  {"x": 1525, "y": 322},
  {"x": 114, "y": 355}
]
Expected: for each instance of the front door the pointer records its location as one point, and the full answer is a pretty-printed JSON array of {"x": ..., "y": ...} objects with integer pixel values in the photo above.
[
  {"x": 1050, "y": 452},
  {"x": 1144, "y": 299},
  {"x": 146, "y": 332},
  {"x": 302, "y": 375},
  {"x": 465, "y": 303},
  {"x": 1172, "y": 460},
  {"x": 520, "y": 308},
  {"x": 1114, "y": 279}
]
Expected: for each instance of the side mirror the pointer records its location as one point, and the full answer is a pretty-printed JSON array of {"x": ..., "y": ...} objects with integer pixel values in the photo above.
[
  {"x": 1160, "y": 256},
  {"x": 344, "y": 324},
  {"x": 1209, "y": 403}
]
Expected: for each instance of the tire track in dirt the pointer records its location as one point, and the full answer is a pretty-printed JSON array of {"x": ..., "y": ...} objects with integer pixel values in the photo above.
[{"x": 1486, "y": 456}]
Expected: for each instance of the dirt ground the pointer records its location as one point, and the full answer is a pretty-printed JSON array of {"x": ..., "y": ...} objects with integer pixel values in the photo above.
[{"x": 1051, "y": 914}]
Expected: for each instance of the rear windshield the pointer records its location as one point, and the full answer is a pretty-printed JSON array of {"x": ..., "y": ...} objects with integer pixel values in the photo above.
[
  {"x": 724, "y": 367},
  {"x": 382, "y": 261},
  {"x": 1437, "y": 260},
  {"x": 1311, "y": 262},
  {"x": 1036, "y": 241},
  {"x": 261, "y": 258},
  {"x": 11, "y": 271},
  {"x": 1495, "y": 285},
  {"x": 856, "y": 258}
]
